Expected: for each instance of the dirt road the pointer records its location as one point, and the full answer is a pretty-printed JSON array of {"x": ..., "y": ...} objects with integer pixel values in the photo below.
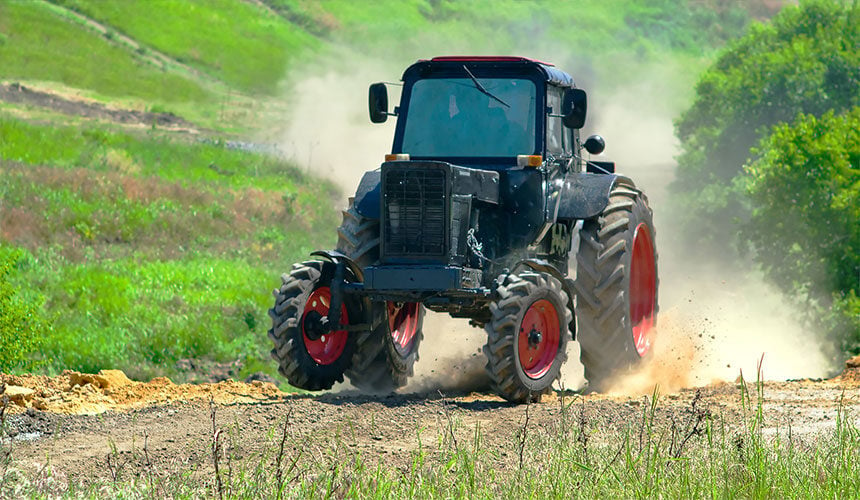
[{"x": 168, "y": 429}]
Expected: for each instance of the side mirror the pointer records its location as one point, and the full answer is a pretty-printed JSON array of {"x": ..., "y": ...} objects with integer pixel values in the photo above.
[
  {"x": 595, "y": 144},
  {"x": 377, "y": 102},
  {"x": 573, "y": 106}
]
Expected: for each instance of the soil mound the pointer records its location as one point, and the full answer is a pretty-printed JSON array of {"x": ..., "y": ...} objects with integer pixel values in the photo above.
[
  {"x": 852, "y": 370},
  {"x": 83, "y": 393}
]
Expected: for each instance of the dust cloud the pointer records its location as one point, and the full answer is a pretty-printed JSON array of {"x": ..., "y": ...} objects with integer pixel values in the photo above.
[
  {"x": 451, "y": 357},
  {"x": 328, "y": 131},
  {"x": 713, "y": 322}
]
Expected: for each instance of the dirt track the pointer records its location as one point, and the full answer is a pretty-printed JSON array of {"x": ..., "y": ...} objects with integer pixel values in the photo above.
[{"x": 168, "y": 428}]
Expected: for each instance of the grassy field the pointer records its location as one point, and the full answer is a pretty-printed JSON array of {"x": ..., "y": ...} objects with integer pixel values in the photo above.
[
  {"x": 146, "y": 250},
  {"x": 240, "y": 43},
  {"x": 36, "y": 44}
]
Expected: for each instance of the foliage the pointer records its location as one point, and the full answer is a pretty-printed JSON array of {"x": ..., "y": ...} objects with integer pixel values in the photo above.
[
  {"x": 20, "y": 328},
  {"x": 804, "y": 191},
  {"x": 805, "y": 61}
]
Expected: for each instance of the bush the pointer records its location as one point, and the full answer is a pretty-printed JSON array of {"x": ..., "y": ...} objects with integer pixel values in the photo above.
[
  {"x": 804, "y": 192},
  {"x": 805, "y": 61},
  {"x": 19, "y": 323}
]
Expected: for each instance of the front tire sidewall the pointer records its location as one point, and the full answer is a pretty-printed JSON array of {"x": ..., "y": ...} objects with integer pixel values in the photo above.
[
  {"x": 515, "y": 295},
  {"x": 539, "y": 385},
  {"x": 291, "y": 353}
]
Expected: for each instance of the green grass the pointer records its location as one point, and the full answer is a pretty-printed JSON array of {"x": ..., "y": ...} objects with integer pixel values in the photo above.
[
  {"x": 141, "y": 314},
  {"x": 36, "y": 44},
  {"x": 146, "y": 250},
  {"x": 92, "y": 206},
  {"x": 570, "y": 34},
  {"x": 149, "y": 154},
  {"x": 235, "y": 41}
]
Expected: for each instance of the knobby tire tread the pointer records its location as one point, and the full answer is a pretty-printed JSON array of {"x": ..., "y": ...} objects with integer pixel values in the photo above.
[{"x": 602, "y": 306}]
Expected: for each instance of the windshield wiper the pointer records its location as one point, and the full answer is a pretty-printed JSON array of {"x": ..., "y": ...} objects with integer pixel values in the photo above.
[{"x": 482, "y": 89}]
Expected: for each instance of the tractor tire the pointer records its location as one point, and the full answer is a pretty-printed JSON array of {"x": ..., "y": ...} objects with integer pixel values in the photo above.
[
  {"x": 384, "y": 356},
  {"x": 527, "y": 336},
  {"x": 307, "y": 359},
  {"x": 616, "y": 287}
]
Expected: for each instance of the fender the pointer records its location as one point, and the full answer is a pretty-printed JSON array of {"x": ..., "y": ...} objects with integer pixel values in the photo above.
[
  {"x": 336, "y": 257},
  {"x": 367, "y": 194},
  {"x": 543, "y": 266},
  {"x": 585, "y": 195}
]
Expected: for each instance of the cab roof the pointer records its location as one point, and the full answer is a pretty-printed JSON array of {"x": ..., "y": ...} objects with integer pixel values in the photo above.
[{"x": 552, "y": 74}]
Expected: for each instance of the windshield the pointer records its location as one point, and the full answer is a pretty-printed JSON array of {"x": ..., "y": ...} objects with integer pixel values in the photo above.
[{"x": 454, "y": 117}]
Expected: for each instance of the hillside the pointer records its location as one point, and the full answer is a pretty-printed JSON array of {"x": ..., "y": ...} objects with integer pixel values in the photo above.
[{"x": 145, "y": 229}]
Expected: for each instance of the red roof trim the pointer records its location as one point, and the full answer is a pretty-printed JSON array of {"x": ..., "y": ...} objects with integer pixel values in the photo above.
[{"x": 487, "y": 59}]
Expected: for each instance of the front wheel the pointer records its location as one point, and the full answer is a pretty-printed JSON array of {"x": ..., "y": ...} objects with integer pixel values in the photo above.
[
  {"x": 616, "y": 286},
  {"x": 308, "y": 355},
  {"x": 527, "y": 336}
]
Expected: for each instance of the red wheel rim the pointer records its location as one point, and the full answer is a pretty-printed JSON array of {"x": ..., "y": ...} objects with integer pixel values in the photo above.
[
  {"x": 403, "y": 324},
  {"x": 643, "y": 289},
  {"x": 538, "y": 339},
  {"x": 328, "y": 348}
]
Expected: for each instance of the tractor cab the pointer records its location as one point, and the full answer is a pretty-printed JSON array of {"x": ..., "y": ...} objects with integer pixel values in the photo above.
[{"x": 493, "y": 112}]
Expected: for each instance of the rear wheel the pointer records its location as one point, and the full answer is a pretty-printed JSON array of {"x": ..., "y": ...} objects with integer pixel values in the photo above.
[
  {"x": 616, "y": 285},
  {"x": 308, "y": 356},
  {"x": 384, "y": 356},
  {"x": 527, "y": 336}
]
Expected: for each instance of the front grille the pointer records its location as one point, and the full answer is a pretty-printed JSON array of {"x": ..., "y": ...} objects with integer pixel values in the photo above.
[{"x": 415, "y": 212}]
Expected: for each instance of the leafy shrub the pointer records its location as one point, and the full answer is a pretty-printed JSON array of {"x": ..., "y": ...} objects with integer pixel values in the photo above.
[
  {"x": 19, "y": 324},
  {"x": 804, "y": 192},
  {"x": 805, "y": 61}
]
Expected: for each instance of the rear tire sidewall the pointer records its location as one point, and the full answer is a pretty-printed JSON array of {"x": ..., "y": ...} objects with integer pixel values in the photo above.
[
  {"x": 639, "y": 215},
  {"x": 603, "y": 304}
]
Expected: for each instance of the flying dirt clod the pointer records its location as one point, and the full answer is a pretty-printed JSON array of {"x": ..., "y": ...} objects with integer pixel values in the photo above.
[{"x": 485, "y": 209}]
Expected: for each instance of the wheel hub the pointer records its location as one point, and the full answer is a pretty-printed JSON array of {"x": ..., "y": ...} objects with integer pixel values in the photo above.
[
  {"x": 535, "y": 338},
  {"x": 403, "y": 324},
  {"x": 314, "y": 325}
]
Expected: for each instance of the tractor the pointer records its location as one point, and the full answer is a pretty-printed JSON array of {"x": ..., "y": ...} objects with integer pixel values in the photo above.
[{"x": 485, "y": 209}]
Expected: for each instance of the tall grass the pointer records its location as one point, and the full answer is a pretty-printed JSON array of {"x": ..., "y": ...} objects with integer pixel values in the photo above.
[{"x": 665, "y": 451}]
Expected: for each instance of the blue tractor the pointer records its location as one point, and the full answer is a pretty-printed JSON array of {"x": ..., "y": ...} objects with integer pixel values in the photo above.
[{"x": 484, "y": 209}]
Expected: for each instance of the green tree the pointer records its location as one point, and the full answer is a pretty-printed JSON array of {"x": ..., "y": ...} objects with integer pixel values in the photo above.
[
  {"x": 804, "y": 192},
  {"x": 805, "y": 61},
  {"x": 19, "y": 324}
]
